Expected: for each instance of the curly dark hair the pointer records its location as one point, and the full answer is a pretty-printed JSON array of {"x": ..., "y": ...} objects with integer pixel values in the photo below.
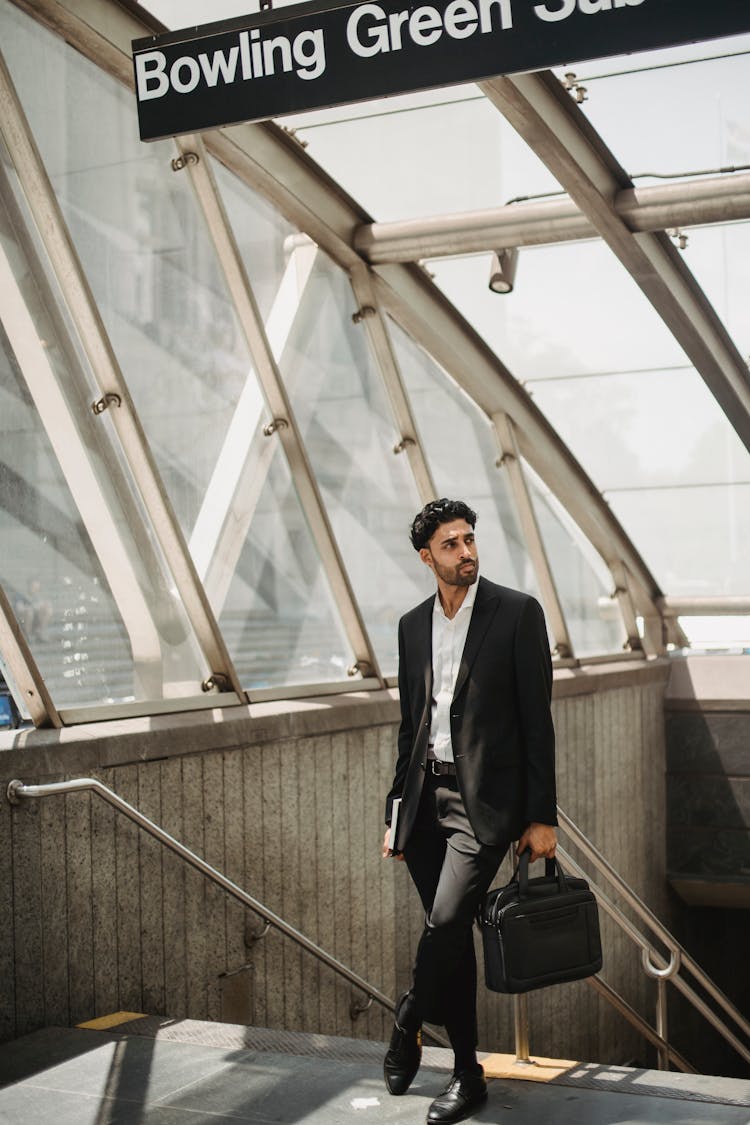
[{"x": 433, "y": 515}]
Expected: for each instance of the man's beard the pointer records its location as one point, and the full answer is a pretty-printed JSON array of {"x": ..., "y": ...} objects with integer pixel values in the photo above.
[{"x": 455, "y": 575}]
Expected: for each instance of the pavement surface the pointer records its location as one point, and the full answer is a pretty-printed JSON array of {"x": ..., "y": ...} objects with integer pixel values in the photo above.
[{"x": 135, "y": 1070}]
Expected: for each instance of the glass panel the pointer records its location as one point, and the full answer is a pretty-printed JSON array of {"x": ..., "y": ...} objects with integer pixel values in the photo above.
[
  {"x": 720, "y": 259},
  {"x": 573, "y": 309},
  {"x": 632, "y": 424},
  {"x": 262, "y": 235},
  {"x": 583, "y": 581},
  {"x": 697, "y": 537},
  {"x": 162, "y": 296},
  {"x": 345, "y": 420},
  {"x": 644, "y": 428},
  {"x": 79, "y": 565},
  {"x": 456, "y": 154},
  {"x": 462, "y": 453},
  {"x": 278, "y": 617},
  {"x": 676, "y": 118}
]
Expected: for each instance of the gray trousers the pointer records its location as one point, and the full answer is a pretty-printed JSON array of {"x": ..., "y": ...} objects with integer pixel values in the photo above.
[{"x": 452, "y": 872}]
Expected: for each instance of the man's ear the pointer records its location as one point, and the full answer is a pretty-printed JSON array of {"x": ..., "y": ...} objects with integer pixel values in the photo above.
[{"x": 426, "y": 557}]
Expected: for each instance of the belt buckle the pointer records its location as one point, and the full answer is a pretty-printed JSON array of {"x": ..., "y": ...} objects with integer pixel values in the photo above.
[{"x": 435, "y": 767}]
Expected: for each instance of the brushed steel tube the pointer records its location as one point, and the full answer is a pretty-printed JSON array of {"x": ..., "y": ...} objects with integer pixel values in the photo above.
[
  {"x": 521, "y": 1028},
  {"x": 600, "y": 985},
  {"x": 703, "y": 607},
  {"x": 657, "y": 967},
  {"x": 17, "y": 791},
  {"x": 701, "y": 202},
  {"x": 646, "y": 915},
  {"x": 661, "y": 1022}
]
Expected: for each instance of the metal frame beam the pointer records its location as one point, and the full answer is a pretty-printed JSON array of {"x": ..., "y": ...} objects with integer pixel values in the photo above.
[
  {"x": 700, "y": 202},
  {"x": 727, "y": 606},
  {"x": 282, "y": 415},
  {"x": 510, "y": 460},
  {"x": 551, "y": 123},
  {"x": 371, "y": 316}
]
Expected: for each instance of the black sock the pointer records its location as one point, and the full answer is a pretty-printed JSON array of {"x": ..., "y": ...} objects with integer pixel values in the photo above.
[{"x": 463, "y": 1042}]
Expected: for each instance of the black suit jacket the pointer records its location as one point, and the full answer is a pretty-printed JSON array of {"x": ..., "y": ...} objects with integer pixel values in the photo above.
[{"x": 501, "y": 724}]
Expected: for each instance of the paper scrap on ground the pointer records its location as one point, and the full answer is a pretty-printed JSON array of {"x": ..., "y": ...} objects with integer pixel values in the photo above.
[{"x": 364, "y": 1103}]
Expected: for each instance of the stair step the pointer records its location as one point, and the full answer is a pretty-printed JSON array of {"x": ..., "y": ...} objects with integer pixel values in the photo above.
[{"x": 144, "y": 1068}]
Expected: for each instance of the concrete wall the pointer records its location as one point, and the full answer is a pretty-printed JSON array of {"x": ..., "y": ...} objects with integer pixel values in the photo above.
[
  {"x": 708, "y": 833},
  {"x": 708, "y": 780},
  {"x": 287, "y": 799}
]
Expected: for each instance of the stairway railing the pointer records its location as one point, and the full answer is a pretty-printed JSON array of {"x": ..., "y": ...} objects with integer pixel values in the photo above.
[
  {"x": 654, "y": 963},
  {"x": 663, "y": 969},
  {"x": 18, "y": 791}
]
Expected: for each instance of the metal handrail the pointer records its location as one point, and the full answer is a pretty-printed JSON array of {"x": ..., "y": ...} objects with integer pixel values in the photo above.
[
  {"x": 17, "y": 791},
  {"x": 640, "y": 1023},
  {"x": 655, "y": 964}
]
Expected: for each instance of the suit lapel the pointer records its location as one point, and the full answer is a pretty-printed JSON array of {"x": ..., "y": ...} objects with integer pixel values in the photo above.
[
  {"x": 424, "y": 637},
  {"x": 484, "y": 610}
]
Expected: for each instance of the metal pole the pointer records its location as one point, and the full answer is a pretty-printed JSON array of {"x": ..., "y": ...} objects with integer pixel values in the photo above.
[
  {"x": 510, "y": 460},
  {"x": 664, "y": 935},
  {"x": 661, "y": 976},
  {"x": 716, "y": 199},
  {"x": 521, "y": 1025},
  {"x": 637, "y": 1021},
  {"x": 728, "y": 606},
  {"x": 661, "y": 1023},
  {"x": 370, "y": 314}
]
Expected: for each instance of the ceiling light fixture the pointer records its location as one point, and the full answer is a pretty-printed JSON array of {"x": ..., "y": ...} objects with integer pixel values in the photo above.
[{"x": 503, "y": 270}]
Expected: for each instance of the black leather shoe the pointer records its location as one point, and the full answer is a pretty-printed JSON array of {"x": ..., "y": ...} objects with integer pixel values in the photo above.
[
  {"x": 464, "y": 1095},
  {"x": 404, "y": 1054}
]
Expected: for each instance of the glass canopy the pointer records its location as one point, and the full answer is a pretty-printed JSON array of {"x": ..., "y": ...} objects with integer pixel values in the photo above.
[{"x": 232, "y": 515}]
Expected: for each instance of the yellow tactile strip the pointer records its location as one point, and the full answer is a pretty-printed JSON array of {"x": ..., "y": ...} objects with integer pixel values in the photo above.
[
  {"x": 536, "y": 1070},
  {"x": 104, "y": 1023}
]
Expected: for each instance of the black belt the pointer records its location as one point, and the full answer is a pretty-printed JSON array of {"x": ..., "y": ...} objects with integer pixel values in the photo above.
[{"x": 432, "y": 765}]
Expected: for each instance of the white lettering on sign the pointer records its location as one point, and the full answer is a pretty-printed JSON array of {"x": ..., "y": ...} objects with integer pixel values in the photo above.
[
  {"x": 369, "y": 31},
  {"x": 460, "y": 19},
  {"x": 257, "y": 58},
  {"x": 219, "y": 63},
  {"x": 587, "y": 7}
]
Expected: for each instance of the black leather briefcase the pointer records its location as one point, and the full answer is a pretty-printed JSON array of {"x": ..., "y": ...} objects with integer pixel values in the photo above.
[{"x": 540, "y": 931}]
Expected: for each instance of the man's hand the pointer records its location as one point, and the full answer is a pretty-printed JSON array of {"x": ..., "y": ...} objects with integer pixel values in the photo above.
[
  {"x": 541, "y": 839},
  {"x": 387, "y": 853}
]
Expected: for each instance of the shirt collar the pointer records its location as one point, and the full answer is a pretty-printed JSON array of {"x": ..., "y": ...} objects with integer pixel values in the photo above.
[{"x": 467, "y": 603}]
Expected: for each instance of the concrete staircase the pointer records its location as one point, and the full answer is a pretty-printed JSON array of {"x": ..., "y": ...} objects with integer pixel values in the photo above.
[{"x": 131, "y": 1069}]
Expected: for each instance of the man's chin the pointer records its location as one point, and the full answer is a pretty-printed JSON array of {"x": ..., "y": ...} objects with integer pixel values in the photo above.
[{"x": 467, "y": 579}]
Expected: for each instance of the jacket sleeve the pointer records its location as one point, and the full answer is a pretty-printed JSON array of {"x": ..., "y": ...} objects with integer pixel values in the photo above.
[
  {"x": 534, "y": 688},
  {"x": 406, "y": 727}
]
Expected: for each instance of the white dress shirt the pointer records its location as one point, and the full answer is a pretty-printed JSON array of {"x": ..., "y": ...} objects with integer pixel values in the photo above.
[{"x": 448, "y": 640}]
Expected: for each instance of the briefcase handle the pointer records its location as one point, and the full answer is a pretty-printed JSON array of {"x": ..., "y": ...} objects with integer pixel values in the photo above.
[{"x": 552, "y": 869}]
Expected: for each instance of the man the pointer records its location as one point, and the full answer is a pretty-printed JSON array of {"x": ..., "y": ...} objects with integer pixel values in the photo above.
[{"x": 475, "y": 771}]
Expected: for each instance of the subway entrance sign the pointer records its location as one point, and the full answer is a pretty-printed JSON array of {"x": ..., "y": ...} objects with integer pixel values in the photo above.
[{"x": 322, "y": 54}]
